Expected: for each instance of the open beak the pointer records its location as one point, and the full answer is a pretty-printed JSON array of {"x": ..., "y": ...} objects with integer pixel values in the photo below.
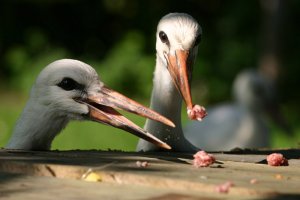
[
  {"x": 101, "y": 109},
  {"x": 180, "y": 71}
]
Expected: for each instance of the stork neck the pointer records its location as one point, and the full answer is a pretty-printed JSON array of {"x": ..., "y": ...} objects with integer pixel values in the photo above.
[
  {"x": 36, "y": 128},
  {"x": 166, "y": 100},
  {"x": 165, "y": 97}
]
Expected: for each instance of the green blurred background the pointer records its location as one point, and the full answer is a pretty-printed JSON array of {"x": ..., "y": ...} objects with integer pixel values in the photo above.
[{"x": 117, "y": 37}]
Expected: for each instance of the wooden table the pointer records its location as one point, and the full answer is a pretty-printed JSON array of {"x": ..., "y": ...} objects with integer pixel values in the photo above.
[{"x": 115, "y": 175}]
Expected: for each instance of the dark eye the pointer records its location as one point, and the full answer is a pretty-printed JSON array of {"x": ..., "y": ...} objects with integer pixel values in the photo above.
[
  {"x": 198, "y": 40},
  {"x": 163, "y": 37},
  {"x": 69, "y": 84}
]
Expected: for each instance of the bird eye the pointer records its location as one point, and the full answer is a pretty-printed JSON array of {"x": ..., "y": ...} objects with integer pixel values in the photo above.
[
  {"x": 198, "y": 40},
  {"x": 163, "y": 37},
  {"x": 68, "y": 84}
]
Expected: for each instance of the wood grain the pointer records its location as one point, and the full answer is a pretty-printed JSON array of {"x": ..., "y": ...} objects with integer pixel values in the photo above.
[{"x": 169, "y": 173}]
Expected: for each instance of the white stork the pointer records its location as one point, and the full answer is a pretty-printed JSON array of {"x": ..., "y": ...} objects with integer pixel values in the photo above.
[
  {"x": 177, "y": 39},
  {"x": 71, "y": 90}
]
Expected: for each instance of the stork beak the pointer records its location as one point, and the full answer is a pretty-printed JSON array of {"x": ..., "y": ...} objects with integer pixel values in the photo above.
[
  {"x": 101, "y": 109},
  {"x": 180, "y": 71}
]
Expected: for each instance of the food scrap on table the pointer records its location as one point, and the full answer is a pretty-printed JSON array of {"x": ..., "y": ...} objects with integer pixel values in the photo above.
[
  {"x": 253, "y": 181},
  {"x": 142, "y": 164},
  {"x": 224, "y": 188},
  {"x": 92, "y": 177},
  {"x": 277, "y": 159},
  {"x": 278, "y": 176},
  {"x": 203, "y": 159}
]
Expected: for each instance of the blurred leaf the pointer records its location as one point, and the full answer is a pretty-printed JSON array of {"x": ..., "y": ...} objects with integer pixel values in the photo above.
[{"x": 127, "y": 68}]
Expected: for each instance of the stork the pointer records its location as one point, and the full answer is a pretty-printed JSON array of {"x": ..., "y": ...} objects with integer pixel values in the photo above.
[
  {"x": 241, "y": 123},
  {"x": 71, "y": 90},
  {"x": 177, "y": 39}
]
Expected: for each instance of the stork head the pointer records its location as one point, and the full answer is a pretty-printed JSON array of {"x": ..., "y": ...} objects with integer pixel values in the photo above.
[
  {"x": 71, "y": 89},
  {"x": 177, "y": 39},
  {"x": 252, "y": 90}
]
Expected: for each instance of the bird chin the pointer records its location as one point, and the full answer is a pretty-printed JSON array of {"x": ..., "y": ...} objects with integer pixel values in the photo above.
[{"x": 78, "y": 117}]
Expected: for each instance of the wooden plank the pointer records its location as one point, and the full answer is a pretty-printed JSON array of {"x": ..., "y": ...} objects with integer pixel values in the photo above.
[
  {"x": 47, "y": 188},
  {"x": 166, "y": 171}
]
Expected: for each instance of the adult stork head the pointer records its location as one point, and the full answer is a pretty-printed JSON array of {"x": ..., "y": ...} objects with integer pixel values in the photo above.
[
  {"x": 71, "y": 90},
  {"x": 177, "y": 39}
]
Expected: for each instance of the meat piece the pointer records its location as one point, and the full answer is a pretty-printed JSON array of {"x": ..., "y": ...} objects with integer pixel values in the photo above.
[
  {"x": 277, "y": 159},
  {"x": 196, "y": 113},
  {"x": 253, "y": 181},
  {"x": 224, "y": 188},
  {"x": 142, "y": 164},
  {"x": 203, "y": 159}
]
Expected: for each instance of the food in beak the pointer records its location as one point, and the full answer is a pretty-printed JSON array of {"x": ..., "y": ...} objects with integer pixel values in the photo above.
[
  {"x": 101, "y": 109},
  {"x": 180, "y": 70}
]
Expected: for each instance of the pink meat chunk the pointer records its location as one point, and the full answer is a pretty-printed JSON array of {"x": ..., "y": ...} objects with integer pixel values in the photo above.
[
  {"x": 203, "y": 159},
  {"x": 224, "y": 188},
  {"x": 196, "y": 113},
  {"x": 142, "y": 164},
  {"x": 253, "y": 181},
  {"x": 277, "y": 159}
]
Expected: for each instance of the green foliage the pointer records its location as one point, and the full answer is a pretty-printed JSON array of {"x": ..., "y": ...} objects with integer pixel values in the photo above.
[
  {"x": 8, "y": 116},
  {"x": 26, "y": 61},
  {"x": 91, "y": 135},
  {"x": 127, "y": 68}
]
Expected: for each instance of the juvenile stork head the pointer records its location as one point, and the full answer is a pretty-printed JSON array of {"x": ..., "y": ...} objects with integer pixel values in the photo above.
[
  {"x": 71, "y": 90},
  {"x": 177, "y": 39}
]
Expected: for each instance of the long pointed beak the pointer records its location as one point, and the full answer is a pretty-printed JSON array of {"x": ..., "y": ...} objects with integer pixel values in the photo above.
[
  {"x": 180, "y": 73},
  {"x": 101, "y": 109}
]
